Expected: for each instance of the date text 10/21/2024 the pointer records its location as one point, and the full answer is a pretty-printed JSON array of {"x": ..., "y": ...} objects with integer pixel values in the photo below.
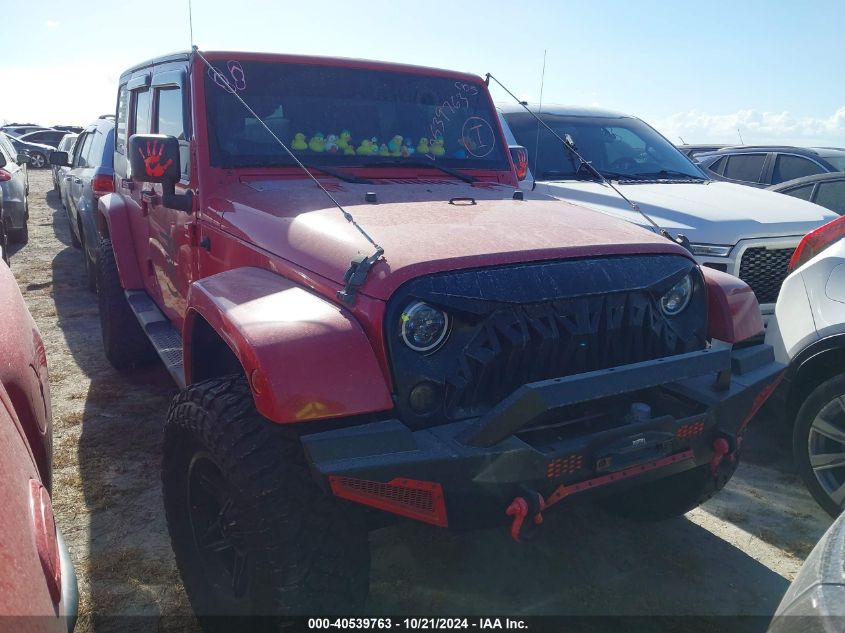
[{"x": 417, "y": 624}]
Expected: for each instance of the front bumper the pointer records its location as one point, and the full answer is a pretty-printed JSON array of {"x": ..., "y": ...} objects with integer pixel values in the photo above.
[{"x": 565, "y": 437}]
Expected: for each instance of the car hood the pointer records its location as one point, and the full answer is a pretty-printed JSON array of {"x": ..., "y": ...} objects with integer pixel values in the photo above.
[
  {"x": 707, "y": 213},
  {"x": 41, "y": 146},
  {"x": 420, "y": 230}
]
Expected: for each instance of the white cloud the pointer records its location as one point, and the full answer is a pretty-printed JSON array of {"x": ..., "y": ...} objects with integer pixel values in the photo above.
[
  {"x": 756, "y": 127},
  {"x": 52, "y": 24}
]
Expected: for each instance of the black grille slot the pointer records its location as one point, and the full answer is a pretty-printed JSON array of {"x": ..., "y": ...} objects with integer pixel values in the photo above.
[
  {"x": 764, "y": 270},
  {"x": 519, "y": 344}
]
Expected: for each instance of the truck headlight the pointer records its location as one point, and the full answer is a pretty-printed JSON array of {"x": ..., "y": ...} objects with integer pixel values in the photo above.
[
  {"x": 423, "y": 327},
  {"x": 674, "y": 301},
  {"x": 710, "y": 250}
]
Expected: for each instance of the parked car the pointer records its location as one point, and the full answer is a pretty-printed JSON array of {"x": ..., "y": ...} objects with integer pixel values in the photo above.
[
  {"x": 59, "y": 171},
  {"x": 13, "y": 183},
  {"x": 694, "y": 150},
  {"x": 22, "y": 157},
  {"x": 747, "y": 233},
  {"x": 45, "y": 137},
  {"x": 18, "y": 129},
  {"x": 762, "y": 166},
  {"x": 436, "y": 371},
  {"x": 808, "y": 334},
  {"x": 37, "y": 575},
  {"x": 89, "y": 174},
  {"x": 826, "y": 190},
  {"x": 39, "y": 154},
  {"x": 815, "y": 601}
]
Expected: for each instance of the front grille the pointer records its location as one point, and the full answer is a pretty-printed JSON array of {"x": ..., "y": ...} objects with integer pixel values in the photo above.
[
  {"x": 764, "y": 270},
  {"x": 520, "y": 344}
]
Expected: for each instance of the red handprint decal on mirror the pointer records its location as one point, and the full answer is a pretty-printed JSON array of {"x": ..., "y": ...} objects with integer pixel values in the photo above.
[{"x": 152, "y": 159}]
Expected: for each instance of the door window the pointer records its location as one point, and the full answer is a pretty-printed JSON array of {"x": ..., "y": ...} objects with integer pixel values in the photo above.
[
  {"x": 788, "y": 167},
  {"x": 83, "y": 148},
  {"x": 141, "y": 112},
  {"x": 745, "y": 167},
  {"x": 831, "y": 195},
  {"x": 170, "y": 120},
  {"x": 121, "y": 120}
]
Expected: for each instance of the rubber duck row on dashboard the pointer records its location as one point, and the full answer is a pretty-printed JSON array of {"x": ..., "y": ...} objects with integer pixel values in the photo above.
[{"x": 342, "y": 144}]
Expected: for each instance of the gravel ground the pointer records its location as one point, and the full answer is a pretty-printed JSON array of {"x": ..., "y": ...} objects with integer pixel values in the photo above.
[{"x": 734, "y": 555}]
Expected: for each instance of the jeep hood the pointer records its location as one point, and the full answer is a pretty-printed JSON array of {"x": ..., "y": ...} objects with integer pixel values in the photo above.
[
  {"x": 420, "y": 230},
  {"x": 707, "y": 213}
]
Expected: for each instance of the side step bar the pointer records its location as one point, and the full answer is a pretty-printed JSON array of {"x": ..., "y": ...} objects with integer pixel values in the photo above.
[{"x": 164, "y": 337}]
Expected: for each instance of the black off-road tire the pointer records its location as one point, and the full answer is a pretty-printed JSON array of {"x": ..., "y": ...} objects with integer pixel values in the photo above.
[
  {"x": 306, "y": 552},
  {"x": 672, "y": 496},
  {"x": 88, "y": 266},
  {"x": 818, "y": 399},
  {"x": 124, "y": 341}
]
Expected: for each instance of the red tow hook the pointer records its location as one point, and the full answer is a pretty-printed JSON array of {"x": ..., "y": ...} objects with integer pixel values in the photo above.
[
  {"x": 720, "y": 449},
  {"x": 520, "y": 508}
]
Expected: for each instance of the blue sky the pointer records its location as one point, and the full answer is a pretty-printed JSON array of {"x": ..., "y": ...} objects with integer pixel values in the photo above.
[{"x": 699, "y": 70}]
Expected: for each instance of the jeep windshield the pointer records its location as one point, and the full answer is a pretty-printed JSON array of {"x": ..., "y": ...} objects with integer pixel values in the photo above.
[
  {"x": 621, "y": 148},
  {"x": 338, "y": 116}
]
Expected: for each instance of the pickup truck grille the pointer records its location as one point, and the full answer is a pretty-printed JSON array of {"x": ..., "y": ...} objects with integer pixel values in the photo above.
[
  {"x": 521, "y": 344},
  {"x": 764, "y": 270}
]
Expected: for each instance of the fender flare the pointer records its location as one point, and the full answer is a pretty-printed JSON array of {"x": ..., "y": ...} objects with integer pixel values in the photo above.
[
  {"x": 732, "y": 307},
  {"x": 306, "y": 358},
  {"x": 113, "y": 216}
]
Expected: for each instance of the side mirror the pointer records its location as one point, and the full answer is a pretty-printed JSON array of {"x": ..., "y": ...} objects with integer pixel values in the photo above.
[
  {"x": 23, "y": 159},
  {"x": 155, "y": 158},
  {"x": 59, "y": 159},
  {"x": 519, "y": 155}
]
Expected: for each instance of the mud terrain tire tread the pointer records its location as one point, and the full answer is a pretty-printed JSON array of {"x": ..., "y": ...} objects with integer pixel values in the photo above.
[
  {"x": 672, "y": 496},
  {"x": 19, "y": 236},
  {"x": 310, "y": 551},
  {"x": 124, "y": 341}
]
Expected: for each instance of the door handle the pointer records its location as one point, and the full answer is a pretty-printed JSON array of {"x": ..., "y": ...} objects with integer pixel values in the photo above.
[
  {"x": 150, "y": 197},
  {"x": 78, "y": 181}
]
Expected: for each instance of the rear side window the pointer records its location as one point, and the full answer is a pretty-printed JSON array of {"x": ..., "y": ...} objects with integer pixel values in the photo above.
[
  {"x": 832, "y": 196},
  {"x": 141, "y": 112},
  {"x": 803, "y": 192},
  {"x": 121, "y": 120},
  {"x": 170, "y": 120},
  {"x": 717, "y": 166},
  {"x": 745, "y": 167},
  {"x": 790, "y": 167},
  {"x": 81, "y": 157}
]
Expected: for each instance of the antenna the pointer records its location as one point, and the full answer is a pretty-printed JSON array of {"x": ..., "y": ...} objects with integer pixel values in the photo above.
[
  {"x": 356, "y": 274},
  {"x": 683, "y": 142},
  {"x": 741, "y": 142},
  {"x": 537, "y": 144},
  {"x": 569, "y": 146},
  {"x": 191, "y": 23}
]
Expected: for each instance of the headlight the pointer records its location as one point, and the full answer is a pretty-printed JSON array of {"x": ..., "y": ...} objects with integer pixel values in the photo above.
[
  {"x": 674, "y": 301},
  {"x": 423, "y": 326},
  {"x": 710, "y": 250}
]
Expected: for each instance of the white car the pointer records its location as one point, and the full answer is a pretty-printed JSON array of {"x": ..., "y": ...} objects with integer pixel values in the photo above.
[
  {"x": 808, "y": 335},
  {"x": 744, "y": 231}
]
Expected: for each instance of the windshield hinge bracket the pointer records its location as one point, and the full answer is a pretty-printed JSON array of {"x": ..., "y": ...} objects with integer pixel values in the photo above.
[{"x": 357, "y": 275}]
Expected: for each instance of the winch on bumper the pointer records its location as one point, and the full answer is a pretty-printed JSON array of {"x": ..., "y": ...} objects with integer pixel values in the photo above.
[{"x": 554, "y": 439}]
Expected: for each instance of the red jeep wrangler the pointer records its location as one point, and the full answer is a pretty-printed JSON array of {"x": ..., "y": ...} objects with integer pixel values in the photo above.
[{"x": 493, "y": 356}]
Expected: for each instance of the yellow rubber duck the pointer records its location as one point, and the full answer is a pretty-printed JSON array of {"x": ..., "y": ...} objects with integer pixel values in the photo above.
[
  {"x": 349, "y": 150},
  {"x": 343, "y": 140},
  {"x": 299, "y": 142},
  {"x": 395, "y": 146},
  {"x": 317, "y": 142},
  {"x": 422, "y": 146},
  {"x": 365, "y": 148},
  {"x": 437, "y": 147}
]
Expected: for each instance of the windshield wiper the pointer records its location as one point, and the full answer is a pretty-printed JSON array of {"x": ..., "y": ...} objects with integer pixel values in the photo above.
[
  {"x": 339, "y": 175},
  {"x": 422, "y": 163},
  {"x": 668, "y": 172}
]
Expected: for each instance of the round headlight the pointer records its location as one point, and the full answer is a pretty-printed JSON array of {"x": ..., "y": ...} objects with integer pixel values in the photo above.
[
  {"x": 423, "y": 326},
  {"x": 674, "y": 301}
]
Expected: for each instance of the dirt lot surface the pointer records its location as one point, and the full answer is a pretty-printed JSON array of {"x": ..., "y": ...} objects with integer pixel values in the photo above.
[{"x": 734, "y": 555}]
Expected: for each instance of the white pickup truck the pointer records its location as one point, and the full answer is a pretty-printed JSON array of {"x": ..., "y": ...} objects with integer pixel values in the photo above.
[{"x": 747, "y": 232}]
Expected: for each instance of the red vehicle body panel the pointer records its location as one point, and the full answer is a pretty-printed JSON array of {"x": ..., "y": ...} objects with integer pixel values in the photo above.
[
  {"x": 732, "y": 307},
  {"x": 272, "y": 324},
  {"x": 23, "y": 373}
]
